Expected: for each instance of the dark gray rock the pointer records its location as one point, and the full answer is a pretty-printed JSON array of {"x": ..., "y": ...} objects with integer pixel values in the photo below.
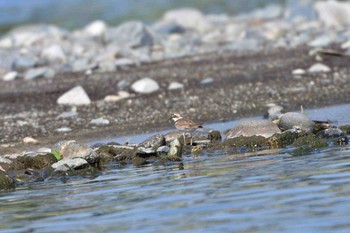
[
  {"x": 251, "y": 128},
  {"x": 154, "y": 142},
  {"x": 296, "y": 120}
]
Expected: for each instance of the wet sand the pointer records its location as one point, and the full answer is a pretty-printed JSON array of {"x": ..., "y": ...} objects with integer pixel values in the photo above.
[{"x": 243, "y": 84}]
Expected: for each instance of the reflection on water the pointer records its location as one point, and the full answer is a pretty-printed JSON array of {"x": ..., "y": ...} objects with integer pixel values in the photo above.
[
  {"x": 263, "y": 191},
  {"x": 255, "y": 193}
]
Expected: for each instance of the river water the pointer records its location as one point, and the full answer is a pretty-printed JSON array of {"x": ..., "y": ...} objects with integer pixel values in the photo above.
[
  {"x": 266, "y": 191},
  {"x": 77, "y": 13}
]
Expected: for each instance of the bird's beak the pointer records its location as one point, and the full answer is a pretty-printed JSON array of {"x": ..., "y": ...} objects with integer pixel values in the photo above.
[{"x": 170, "y": 118}]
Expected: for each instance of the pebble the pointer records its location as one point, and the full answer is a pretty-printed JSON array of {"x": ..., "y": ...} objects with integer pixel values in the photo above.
[
  {"x": 175, "y": 86},
  {"x": 99, "y": 121},
  {"x": 68, "y": 114},
  {"x": 298, "y": 72},
  {"x": 207, "y": 80},
  {"x": 43, "y": 150},
  {"x": 107, "y": 66},
  {"x": 124, "y": 62},
  {"x": 112, "y": 98},
  {"x": 76, "y": 96},
  {"x": 63, "y": 130},
  {"x": 145, "y": 86},
  {"x": 319, "y": 68},
  {"x": 10, "y": 76},
  {"x": 29, "y": 140}
]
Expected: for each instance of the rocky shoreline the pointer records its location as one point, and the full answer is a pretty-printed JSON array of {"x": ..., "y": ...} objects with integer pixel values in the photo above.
[{"x": 92, "y": 83}]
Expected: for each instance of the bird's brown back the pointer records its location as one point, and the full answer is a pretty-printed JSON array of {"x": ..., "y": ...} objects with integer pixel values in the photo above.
[{"x": 185, "y": 124}]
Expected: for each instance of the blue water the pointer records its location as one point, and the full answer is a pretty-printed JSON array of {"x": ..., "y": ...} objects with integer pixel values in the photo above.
[
  {"x": 77, "y": 13},
  {"x": 265, "y": 191}
]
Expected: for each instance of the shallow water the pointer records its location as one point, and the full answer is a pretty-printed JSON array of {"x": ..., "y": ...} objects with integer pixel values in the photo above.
[{"x": 269, "y": 191}]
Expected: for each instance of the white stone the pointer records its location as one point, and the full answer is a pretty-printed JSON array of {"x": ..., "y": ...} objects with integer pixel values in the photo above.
[
  {"x": 112, "y": 98},
  {"x": 29, "y": 140},
  {"x": 298, "y": 72},
  {"x": 75, "y": 96},
  {"x": 145, "y": 86},
  {"x": 131, "y": 34},
  {"x": 10, "y": 76},
  {"x": 6, "y": 43},
  {"x": 43, "y": 150},
  {"x": 68, "y": 114},
  {"x": 318, "y": 68},
  {"x": 54, "y": 53},
  {"x": 207, "y": 80},
  {"x": 96, "y": 29},
  {"x": 99, "y": 121},
  {"x": 71, "y": 163},
  {"x": 333, "y": 13},
  {"x": 322, "y": 41},
  {"x": 346, "y": 45},
  {"x": 188, "y": 18},
  {"x": 5, "y": 160},
  {"x": 124, "y": 62},
  {"x": 175, "y": 86},
  {"x": 63, "y": 130}
]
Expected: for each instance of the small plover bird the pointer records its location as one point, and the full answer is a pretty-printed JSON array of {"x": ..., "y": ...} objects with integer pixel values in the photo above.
[{"x": 185, "y": 125}]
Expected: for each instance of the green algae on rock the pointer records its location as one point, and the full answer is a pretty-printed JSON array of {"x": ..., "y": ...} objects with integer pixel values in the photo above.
[{"x": 6, "y": 182}]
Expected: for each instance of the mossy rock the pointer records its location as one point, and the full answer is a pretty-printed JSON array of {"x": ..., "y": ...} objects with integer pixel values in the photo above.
[
  {"x": 90, "y": 172},
  {"x": 308, "y": 144},
  {"x": 109, "y": 153},
  {"x": 311, "y": 141},
  {"x": 345, "y": 129},
  {"x": 6, "y": 182},
  {"x": 248, "y": 142},
  {"x": 282, "y": 140},
  {"x": 214, "y": 136},
  {"x": 38, "y": 161}
]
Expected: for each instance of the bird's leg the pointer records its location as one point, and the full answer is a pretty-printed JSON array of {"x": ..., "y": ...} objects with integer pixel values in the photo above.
[{"x": 191, "y": 139}]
